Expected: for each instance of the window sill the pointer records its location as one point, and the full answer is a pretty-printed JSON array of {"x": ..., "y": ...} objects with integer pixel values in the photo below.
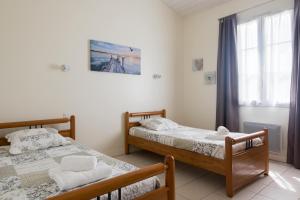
[{"x": 265, "y": 106}]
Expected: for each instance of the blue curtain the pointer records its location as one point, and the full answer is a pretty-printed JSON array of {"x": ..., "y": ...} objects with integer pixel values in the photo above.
[
  {"x": 294, "y": 118},
  {"x": 227, "y": 75}
]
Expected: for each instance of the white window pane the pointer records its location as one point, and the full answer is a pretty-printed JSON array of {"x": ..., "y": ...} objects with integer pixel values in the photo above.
[
  {"x": 265, "y": 60},
  {"x": 249, "y": 79},
  {"x": 285, "y": 57},
  {"x": 247, "y": 35},
  {"x": 242, "y": 36},
  {"x": 248, "y": 61},
  {"x": 277, "y": 58},
  {"x": 277, "y": 27},
  {"x": 251, "y": 32}
]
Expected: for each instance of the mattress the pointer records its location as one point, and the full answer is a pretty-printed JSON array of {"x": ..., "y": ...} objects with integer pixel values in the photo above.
[
  {"x": 25, "y": 176},
  {"x": 192, "y": 139}
]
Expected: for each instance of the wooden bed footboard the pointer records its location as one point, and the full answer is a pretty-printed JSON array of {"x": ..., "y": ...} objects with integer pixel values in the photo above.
[
  {"x": 166, "y": 192},
  {"x": 245, "y": 166}
]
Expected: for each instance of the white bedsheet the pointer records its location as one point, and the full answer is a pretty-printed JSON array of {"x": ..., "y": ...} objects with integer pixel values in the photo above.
[{"x": 192, "y": 139}]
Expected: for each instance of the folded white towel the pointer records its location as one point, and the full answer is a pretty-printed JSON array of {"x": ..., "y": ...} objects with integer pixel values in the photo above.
[
  {"x": 67, "y": 180},
  {"x": 78, "y": 163},
  {"x": 222, "y": 130}
]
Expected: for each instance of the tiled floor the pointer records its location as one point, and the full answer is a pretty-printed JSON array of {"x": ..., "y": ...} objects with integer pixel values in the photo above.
[{"x": 283, "y": 182}]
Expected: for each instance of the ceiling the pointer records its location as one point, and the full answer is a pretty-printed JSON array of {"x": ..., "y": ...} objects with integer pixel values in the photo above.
[{"x": 185, "y": 7}]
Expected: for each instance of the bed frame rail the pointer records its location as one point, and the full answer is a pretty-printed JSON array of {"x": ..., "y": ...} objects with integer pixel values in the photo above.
[{"x": 105, "y": 187}]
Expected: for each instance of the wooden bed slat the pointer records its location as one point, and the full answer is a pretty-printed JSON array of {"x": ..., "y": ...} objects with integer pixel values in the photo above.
[{"x": 162, "y": 113}]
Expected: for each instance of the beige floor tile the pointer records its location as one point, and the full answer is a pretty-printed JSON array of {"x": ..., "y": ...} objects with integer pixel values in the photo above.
[
  {"x": 141, "y": 158},
  {"x": 260, "y": 197},
  {"x": 243, "y": 194},
  {"x": 221, "y": 195},
  {"x": 292, "y": 172},
  {"x": 278, "y": 193},
  {"x": 186, "y": 175},
  {"x": 132, "y": 158},
  {"x": 213, "y": 196},
  {"x": 192, "y": 183},
  {"x": 258, "y": 185},
  {"x": 201, "y": 187},
  {"x": 278, "y": 167},
  {"x": 180, "y": 197},
  {"x": 266, "y": 180},
  {"x": 197, "y": 171},
  {"x": 288, "y": 181},
  {"x": 183, "y": 176}
]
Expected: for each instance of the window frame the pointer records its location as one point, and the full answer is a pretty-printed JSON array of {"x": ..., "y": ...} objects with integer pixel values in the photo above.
[{"x": 261, "y": 57}]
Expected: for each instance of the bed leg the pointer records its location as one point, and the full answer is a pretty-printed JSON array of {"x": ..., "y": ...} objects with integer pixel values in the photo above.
[
  {"x": 170, "y": 176},
  {"x": 126, "y": 132},
  {"x": 228, "y": 166},
  {"x": 229, "y": 188},
  {"x": 266, "y": 143},
  {"x": 127, "y": 149}
]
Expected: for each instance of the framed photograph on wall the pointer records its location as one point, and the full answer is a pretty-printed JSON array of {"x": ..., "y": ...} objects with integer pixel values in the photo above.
[{"x": 114, "y": 58}]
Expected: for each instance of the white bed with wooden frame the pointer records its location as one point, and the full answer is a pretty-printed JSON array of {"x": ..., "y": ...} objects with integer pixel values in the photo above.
[
  {"x": 240, "y": 168},
  {"x": 105, "y": 187}
]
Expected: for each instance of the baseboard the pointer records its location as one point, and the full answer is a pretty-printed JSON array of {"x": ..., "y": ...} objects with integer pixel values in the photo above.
[{"x": 277, "y": 157}]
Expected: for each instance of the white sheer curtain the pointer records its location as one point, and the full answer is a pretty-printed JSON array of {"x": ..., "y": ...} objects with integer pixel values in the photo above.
[
  {"x": 265, "y": 60},
  {"x": 248, "y": 63}
]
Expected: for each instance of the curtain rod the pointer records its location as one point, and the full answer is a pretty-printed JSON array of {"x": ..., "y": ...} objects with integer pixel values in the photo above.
[{"x": 244, "y": 10}]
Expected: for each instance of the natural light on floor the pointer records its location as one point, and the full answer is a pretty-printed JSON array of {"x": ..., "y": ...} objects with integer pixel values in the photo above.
[{"x": 280, "y": 181}]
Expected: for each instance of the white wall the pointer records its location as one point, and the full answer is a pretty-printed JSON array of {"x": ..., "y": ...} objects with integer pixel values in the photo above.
[
  {"x": 36, "y": 37},
  {"x": 201, "y": 40}
]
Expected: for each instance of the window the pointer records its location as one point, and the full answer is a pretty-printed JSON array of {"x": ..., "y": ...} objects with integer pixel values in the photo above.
[{"x": 265, "y": 60}]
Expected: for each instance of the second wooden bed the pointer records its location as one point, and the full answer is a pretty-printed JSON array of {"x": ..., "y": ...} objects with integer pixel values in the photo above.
[
  {"x": 239, "y": 168},
  {"x": 103, "y": 188}
]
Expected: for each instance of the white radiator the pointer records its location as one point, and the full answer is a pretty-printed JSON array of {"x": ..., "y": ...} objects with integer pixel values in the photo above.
[{"x": 275, "y": 138}]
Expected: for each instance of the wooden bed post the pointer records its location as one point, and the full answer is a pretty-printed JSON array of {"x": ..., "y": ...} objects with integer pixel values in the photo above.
[
  {"x": 266, "y": 144},
  {"x": 228, "y": 166},
  {"x": 170, "y": 176},
  {"x": 126, "y": 133},
  {"x": 72, "y": 127},
  {"x": 164, "y": 113}
]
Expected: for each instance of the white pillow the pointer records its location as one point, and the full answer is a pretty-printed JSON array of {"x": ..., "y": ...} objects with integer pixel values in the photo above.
[
  {"x": 159, "y": 124},
  {"x": 34, "y": 139}
]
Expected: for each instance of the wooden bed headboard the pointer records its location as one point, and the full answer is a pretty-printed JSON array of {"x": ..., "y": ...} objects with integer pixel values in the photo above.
[
  {"x": 143, "y": 115},
  {"x": 39, "y": 124}
]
